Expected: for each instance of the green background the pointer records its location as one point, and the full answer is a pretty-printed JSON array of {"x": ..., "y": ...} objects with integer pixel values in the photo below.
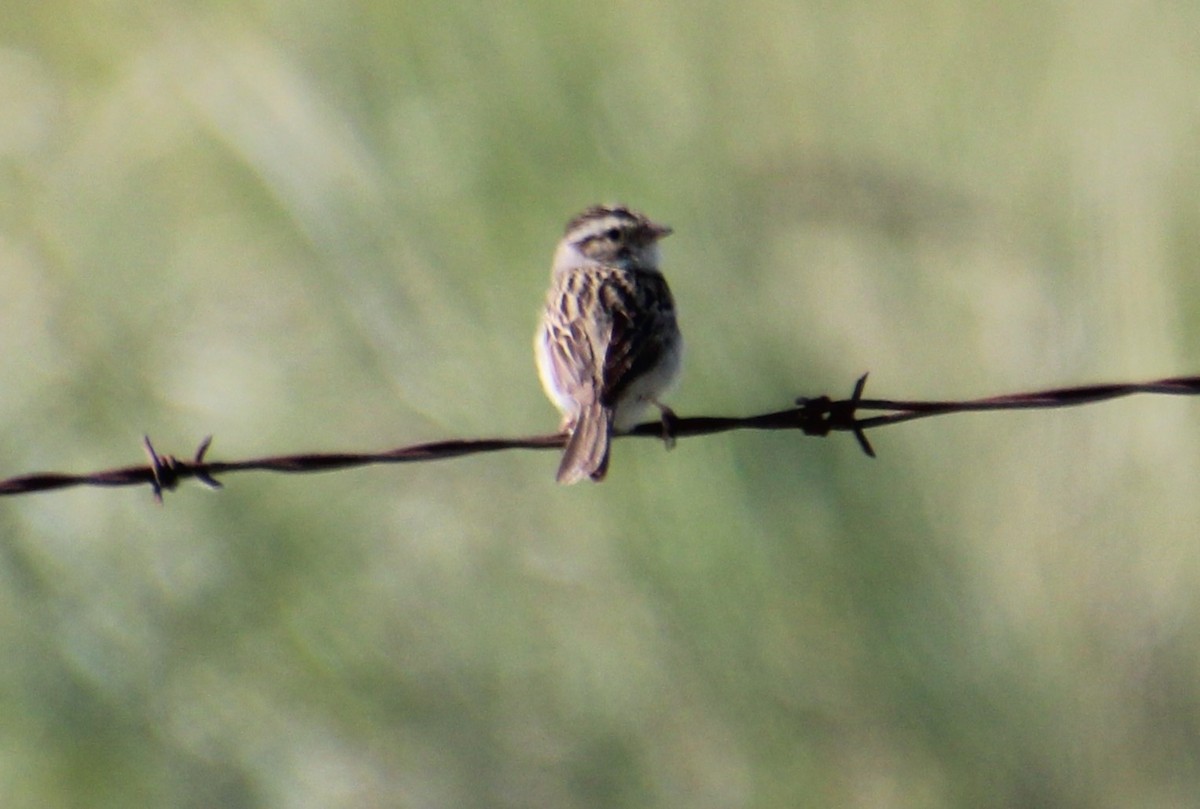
[{"x": 322, "y": 226}]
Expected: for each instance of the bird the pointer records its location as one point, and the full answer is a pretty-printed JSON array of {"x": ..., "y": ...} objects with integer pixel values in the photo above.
[{"x": 608, "y": 345}]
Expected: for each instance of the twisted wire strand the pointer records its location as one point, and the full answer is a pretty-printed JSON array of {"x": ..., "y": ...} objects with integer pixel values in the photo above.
[{"x": 818, "y": 416}]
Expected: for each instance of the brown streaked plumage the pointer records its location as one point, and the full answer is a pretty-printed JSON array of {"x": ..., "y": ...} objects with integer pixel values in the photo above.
[{"x": 609, "y": 344}]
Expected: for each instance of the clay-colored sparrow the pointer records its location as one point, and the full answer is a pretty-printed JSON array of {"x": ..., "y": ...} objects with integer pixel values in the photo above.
[{"x": 608, "y": 345}]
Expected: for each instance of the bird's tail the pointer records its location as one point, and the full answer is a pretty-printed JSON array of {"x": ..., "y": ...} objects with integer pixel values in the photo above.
[{"x": 586, "y": 454}]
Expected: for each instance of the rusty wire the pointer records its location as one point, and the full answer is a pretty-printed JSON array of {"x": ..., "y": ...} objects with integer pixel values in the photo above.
[{"x": 817, "y": 416}]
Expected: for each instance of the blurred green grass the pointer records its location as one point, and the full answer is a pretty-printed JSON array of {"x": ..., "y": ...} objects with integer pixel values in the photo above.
[{"x": 329, "y": 227}]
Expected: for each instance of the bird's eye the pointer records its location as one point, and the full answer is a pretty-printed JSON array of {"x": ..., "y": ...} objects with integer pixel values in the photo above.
[{"x": 612, "y": 234}]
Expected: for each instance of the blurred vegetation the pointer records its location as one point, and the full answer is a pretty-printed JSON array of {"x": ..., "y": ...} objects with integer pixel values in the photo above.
[{"x": 328, "y": 226}]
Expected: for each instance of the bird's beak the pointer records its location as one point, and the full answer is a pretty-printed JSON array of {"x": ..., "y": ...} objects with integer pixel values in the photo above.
[{"x": 660, "y": 231}]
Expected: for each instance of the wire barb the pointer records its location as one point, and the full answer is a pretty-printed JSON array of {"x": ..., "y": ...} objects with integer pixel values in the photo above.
[
  {"x": 852, "y": 416},
  {"x": 164, "y": 470},
  {"x": 202, "y": 473},
  {"x": 817, "y": 416}
]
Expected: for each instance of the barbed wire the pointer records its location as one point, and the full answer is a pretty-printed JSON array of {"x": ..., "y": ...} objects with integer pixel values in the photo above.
[{"x": 817, "y": 416}]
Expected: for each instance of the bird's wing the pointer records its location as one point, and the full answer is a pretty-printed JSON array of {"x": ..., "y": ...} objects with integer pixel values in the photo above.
[{"x": 638, "y": 309}]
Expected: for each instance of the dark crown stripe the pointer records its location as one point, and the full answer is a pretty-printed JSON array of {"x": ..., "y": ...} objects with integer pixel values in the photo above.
[{"x": 598, "y": 212}]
